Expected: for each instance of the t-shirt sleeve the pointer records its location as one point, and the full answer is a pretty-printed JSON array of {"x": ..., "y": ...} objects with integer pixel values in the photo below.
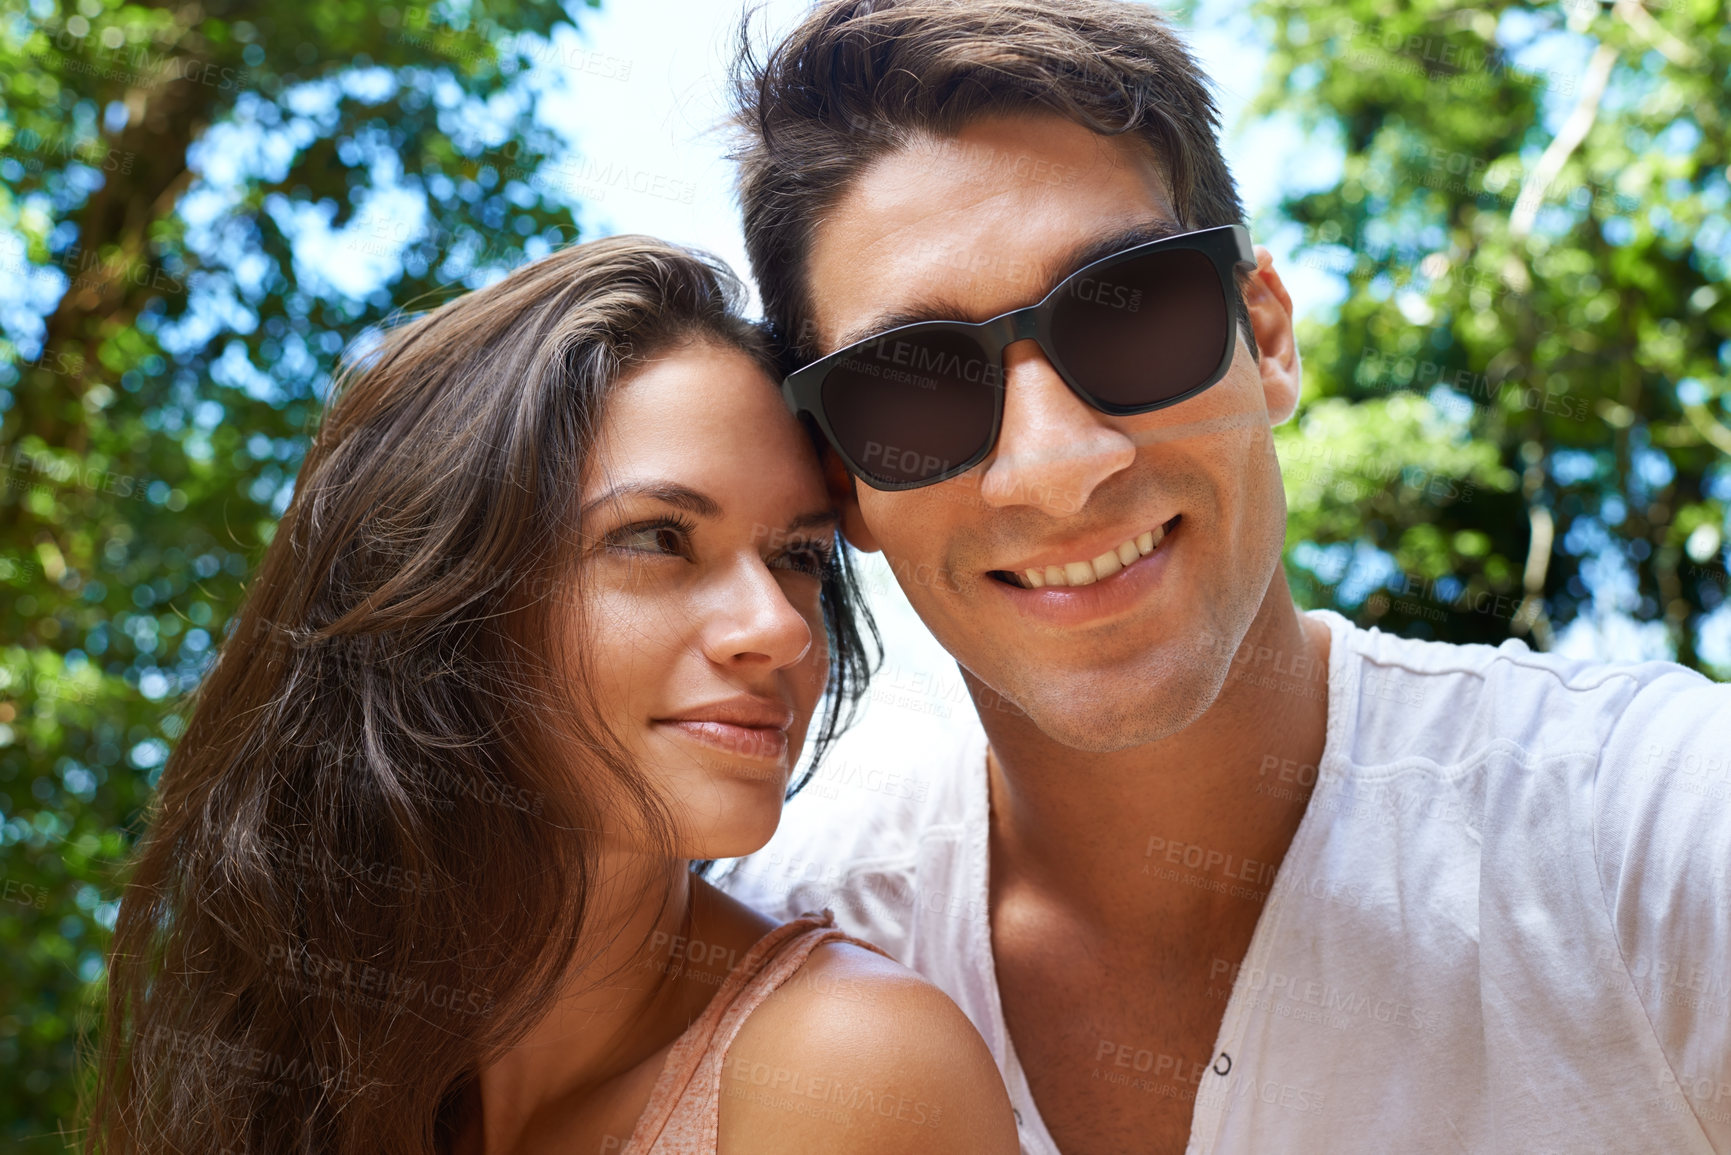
[
  {"x": 1662, "y": 841},
  {"x": 854, "y": 859}
]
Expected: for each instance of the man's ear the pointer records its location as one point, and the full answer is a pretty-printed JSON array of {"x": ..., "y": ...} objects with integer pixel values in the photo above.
[
  {"x": 1270, "y": 307},
  {"x": 844, "y": 493}
]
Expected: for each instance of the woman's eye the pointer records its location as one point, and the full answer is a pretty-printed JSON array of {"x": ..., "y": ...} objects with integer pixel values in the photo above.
[
  {"x": 664, "y": 539},
  {"x": 814, "y": 560}
]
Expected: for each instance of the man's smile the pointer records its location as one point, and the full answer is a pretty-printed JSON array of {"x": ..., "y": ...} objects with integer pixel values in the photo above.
[
  {"x": 1039, "y": 573},
  {"x": 1093, "y": 598}
]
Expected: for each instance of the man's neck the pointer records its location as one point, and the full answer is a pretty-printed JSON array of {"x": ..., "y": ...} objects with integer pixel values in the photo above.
[{"x": 1211, "y": 807}]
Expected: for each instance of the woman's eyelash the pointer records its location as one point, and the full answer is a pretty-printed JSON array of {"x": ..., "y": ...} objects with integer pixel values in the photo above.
[
  {"x": 814, "y": 558},
  {"x": 673, "y": 537},
  {"x": 670, "y": 526}
]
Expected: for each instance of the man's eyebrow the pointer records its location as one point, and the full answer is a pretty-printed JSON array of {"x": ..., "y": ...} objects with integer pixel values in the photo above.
[
  {"x": 1090, "y": 251},
  {"x": 1085, "y": 253},
  {"x": 666, "y": 492},
  {"x": 929, "y": 309}
]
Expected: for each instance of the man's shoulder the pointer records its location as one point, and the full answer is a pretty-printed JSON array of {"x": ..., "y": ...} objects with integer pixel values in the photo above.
[{"x": 1394, "y": 698}]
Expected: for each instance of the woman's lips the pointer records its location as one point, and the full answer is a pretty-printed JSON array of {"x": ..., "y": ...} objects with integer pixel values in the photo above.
[{"x": 765, "y": 743}]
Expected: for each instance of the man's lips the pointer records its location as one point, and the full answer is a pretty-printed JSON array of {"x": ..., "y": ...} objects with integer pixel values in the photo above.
[
  {"x": 1098, "y": 601},
  {"x": 1072, "y": 566},
  {"x": 742, "y": 727}
]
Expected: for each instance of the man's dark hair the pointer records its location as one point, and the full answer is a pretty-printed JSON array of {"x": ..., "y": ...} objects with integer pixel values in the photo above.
[{"x": 860, "y": 78}]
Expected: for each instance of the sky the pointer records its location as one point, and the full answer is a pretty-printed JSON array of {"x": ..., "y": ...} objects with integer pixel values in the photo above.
[{"x": 656, "y": 103}]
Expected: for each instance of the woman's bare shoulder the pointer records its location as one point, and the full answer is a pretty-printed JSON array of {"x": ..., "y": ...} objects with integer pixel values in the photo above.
[{"x": 857, "y": 1053}]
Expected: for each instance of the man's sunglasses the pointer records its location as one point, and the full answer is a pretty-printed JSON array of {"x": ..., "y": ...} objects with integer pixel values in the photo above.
[{"x": 1136, "y": 331}]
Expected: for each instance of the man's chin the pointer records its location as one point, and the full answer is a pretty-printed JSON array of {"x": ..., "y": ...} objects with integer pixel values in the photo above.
[{"x": 1102, "y": 713}]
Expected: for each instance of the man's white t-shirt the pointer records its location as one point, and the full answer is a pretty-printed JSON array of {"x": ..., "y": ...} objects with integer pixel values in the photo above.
[{"x": 1504, "y": 924}]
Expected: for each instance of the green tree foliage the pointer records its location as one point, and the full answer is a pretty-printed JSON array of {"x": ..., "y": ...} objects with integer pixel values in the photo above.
[
  {"x": 1518, "y": 419},
  {"x": 166, "y": 336}
]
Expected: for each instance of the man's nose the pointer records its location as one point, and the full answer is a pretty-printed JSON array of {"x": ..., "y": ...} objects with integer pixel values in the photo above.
[{"x": 1053, "y": 448}]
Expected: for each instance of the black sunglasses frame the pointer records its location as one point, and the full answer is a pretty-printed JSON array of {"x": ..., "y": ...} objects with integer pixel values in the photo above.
[{"x": 1227, "y": 247}]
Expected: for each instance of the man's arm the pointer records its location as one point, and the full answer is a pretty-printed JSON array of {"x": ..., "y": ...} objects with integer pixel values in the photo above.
[{"x": 1662, "y": 841}]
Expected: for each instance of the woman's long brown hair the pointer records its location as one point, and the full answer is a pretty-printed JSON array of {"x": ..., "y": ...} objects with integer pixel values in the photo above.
[{"x": 366, "y": 866}]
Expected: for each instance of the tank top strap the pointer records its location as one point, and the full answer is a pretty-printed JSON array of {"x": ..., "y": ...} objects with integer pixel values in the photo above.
[{"x": 684, "y": 1107}]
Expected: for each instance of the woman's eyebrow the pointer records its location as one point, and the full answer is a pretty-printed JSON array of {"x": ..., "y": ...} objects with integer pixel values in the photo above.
[
  {"x": 816, "y": 519},
  {"x": 697, "y": 502},
  {"x": 666, "y": 492}
]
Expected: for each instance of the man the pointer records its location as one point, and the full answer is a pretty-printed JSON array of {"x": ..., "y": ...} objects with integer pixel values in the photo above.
[{"x": 1212, "y": 874}]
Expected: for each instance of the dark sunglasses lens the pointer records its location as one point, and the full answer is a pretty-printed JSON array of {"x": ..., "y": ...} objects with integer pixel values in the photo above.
[
  {"x": 910, "y": 408},
  {"x": 1147, "y": 330}
]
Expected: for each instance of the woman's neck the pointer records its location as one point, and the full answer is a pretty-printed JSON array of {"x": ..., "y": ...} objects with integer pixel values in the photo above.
[{"x": 614, "y": 1012}]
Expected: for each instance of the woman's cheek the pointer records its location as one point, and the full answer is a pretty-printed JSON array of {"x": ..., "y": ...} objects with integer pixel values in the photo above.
[
  {"x": 628, "y": 651},
  {"x": 806, "y": 596},
  {"x": 815, "y": 667},
  {"x": 639, "y": 617}
]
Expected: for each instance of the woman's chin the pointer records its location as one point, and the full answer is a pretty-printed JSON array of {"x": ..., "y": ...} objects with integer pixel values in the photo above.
[
  {"x": 730, "y": 805},
  {"x": 745, "y": 828}
]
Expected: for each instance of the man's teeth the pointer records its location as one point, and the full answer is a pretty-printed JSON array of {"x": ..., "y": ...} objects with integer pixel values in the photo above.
[{"x": 1085, "y": 573}]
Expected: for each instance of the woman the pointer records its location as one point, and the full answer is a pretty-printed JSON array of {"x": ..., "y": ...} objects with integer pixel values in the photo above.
[{"x": 546, "y": 621}]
